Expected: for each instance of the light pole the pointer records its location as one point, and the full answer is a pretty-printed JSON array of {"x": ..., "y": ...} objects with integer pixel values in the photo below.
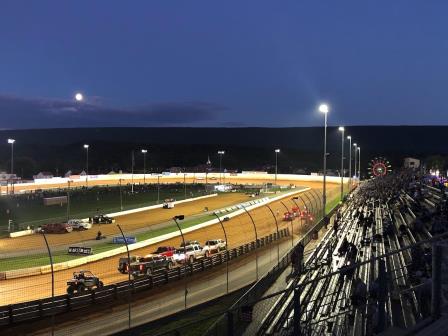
[
  {"x": 68, "y": 200},
  {"x": 276, "y": 164},
  {"x": 220, "y": 153},
  {"x": 342, "y": 130},
  {"x": 86, "y": 147},
  {"x": 144, "y": 151},
  {"x": 359, "y": 164},
  {"x": 350, "y": 163},
  {"x": 175, "y": 219},
  {"x": 324, "y": 109},
  {"x": 185, "y": 185},
  {"x": 158, "y": 189},
  {"x": 121, "y": 195},
  {"x": 132, "y": 171},
  {"x": 356, "y": 154},
  {"x": 11, "y": 142}
]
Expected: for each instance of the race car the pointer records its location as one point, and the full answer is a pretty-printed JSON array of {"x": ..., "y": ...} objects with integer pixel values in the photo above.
[
  {"x": 83, "y": 281},
  {"x": 288, "y": 216},
  {"x": 102, "y": 219},
  {"x": 168, "y": 203}
]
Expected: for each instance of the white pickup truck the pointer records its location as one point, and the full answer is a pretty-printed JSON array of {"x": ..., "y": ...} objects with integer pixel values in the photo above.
[
  {"x": 190, "y": 254},
  {"x": 78, "y": 224},
  {"x": 215, "y": 245}
]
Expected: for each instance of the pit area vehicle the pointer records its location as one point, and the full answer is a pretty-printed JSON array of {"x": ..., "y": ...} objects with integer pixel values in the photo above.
[
  {"x": 102, "y": 219},
  {"x": 214, "y": 245},
  {"x": 83, "y": 281},
  {"x": 57, "y": 228},
  {"x": 150, "y": 263},
  {"x": 166, "y": 251},
  {"x": 79, "y": 225},
  {"x": 123, "y": 264},
  {"x": 190, "y": 254},
  {"x": 168, "y": 203}
]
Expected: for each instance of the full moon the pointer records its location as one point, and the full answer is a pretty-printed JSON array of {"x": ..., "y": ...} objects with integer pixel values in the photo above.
[{"x": 79, "y": 97}]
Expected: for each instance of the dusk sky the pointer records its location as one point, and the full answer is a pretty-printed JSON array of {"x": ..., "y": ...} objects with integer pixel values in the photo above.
[{"x": 222, "y": 63}]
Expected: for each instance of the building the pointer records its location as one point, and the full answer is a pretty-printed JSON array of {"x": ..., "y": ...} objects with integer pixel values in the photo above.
[
  {"x": 411, "y": 163},
  {"x": 43, "y": 175}
]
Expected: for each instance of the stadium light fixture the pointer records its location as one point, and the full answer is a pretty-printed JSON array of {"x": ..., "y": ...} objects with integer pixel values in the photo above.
[
  {"x": 11, "y": 141},
  {"x": 324, "y": 108},
  {"x": 79, "y": 97}
]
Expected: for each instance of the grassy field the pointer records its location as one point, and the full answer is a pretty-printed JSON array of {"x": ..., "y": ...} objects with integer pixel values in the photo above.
[{"x": 28, "y": 210}]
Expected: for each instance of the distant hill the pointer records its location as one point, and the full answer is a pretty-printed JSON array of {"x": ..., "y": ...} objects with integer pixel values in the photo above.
[{"x": 246, "y": 148}]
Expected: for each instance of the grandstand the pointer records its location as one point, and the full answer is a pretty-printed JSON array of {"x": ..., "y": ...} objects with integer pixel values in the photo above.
[{"x": 379, "y": 270}]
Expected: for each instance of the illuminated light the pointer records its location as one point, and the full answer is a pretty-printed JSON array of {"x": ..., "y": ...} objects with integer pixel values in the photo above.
[
  {"x": 79, "y": 97},
  {"x": 324, "y": 108},
  {"x": 11, "y": 141},
  {"x": 86, "y": 146},
  {"x": 277, "y": 150},
  {"x": 341, "y": 128}
]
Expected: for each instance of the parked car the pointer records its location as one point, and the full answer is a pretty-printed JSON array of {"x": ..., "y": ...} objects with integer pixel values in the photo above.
[
  {"x": 82, "y": 281},
  {"x": 166, "y": 251},
  {"x": 214, "y": 245},
  {"x": 190, "y": 254},
  {"x": 57, "y": 228},
  {"x": 102, "y": 219},
  {"x": 150, "y": 263},
  {"x": 79, "y": 225},
  {"x": 123, "y": 263}
]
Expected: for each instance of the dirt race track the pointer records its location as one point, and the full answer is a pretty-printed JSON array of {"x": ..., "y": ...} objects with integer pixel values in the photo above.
[{"x": 239, "y": 231}]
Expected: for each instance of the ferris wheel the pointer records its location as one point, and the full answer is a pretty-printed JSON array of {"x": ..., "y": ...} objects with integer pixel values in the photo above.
[{"x": 379, "y": 166}]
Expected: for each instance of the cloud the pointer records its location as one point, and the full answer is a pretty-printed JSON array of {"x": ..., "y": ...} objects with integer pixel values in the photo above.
[{"x": 18, "y": 112}]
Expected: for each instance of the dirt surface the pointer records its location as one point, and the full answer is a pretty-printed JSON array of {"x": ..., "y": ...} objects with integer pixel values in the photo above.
[
  {"x": 239, "y": 231},
  {"x": 153, "y": 179},
  {"x": 127, "y": 222}
]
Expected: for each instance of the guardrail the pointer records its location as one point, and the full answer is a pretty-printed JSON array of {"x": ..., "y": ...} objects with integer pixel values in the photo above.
[{"x": 38, "y": 309}]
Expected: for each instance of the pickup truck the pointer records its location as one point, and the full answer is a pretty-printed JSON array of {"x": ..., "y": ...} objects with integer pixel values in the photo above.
[
  {"x": 150, "y": 263},
  {"x": 190, "y": 253},
  {"x": 166, "y": 251},
  {"x": 79, "y": 225},
  {"x": 214, "y": 245},
  {"x": 123, "y": 263}
]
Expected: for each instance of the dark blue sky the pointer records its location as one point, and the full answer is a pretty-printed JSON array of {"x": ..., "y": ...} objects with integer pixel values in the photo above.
[{"x": 222, "y": 63}]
